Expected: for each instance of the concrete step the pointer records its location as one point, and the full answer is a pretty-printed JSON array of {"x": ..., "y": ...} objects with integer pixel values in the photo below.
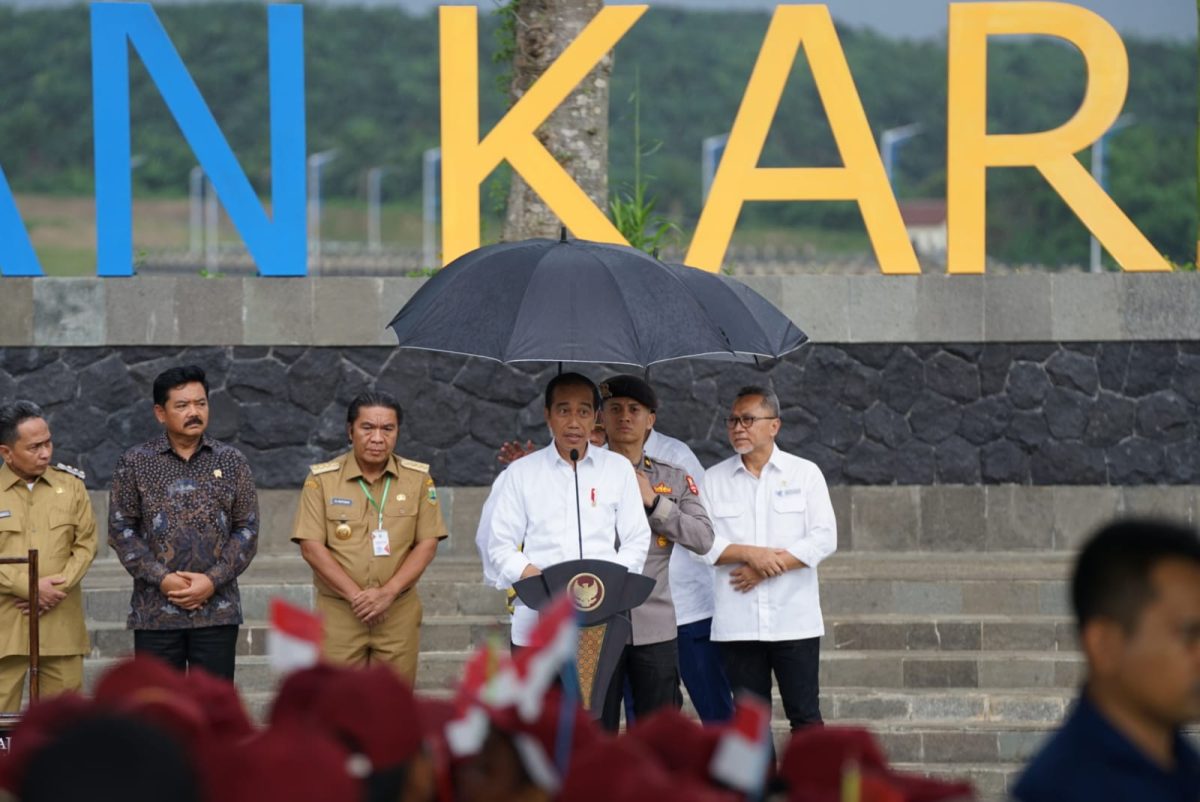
[
  {"x": 844, "y": 633},
  {"x": 252, "y": 674},
  {"x": 1029, "y": 706},
  {"x": 851, "y": 584},
  {"x": 438, "y": 633},
  {"x": 879, "y": 669},
  {"x": 993, "y": 782}
]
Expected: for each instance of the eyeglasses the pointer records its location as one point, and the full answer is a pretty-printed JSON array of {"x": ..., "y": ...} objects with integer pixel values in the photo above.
[{"x": 746, "y": 420}]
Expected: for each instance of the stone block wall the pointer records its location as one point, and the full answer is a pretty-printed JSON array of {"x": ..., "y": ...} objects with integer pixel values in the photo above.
[
  {"x": 882, "y": 414},
  {"x": 1035, "y": 379}
]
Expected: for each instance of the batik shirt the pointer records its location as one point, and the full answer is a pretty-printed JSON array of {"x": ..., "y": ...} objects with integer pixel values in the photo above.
[{"x": 168, "y": 514}]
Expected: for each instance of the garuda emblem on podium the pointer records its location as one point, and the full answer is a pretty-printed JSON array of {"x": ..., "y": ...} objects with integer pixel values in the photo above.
[{"x": 587, "y": 592}]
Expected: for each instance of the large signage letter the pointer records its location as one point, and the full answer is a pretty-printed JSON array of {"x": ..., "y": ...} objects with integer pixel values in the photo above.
[
  {"x": 277, "y": 245},
  {"x": 16, "y": 253},
  {"x": 467, "y": 160},
  {"x": 739, "y": 178},
  {"x": 972, "y": 150}
]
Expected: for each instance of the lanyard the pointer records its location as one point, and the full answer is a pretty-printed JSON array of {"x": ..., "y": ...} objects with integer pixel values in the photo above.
[{"x": 386, "y": 486}]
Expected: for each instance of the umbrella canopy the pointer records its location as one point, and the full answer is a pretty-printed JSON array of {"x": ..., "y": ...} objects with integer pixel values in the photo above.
[
  {"x": 751, "y": 323},
  {"x": 544, "y": 300}
]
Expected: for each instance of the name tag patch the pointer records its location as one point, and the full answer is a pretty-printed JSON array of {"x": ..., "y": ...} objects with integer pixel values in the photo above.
[
  {"x": 341, "y": 502},
  {"x": 790, "y": 491},
  {"x": 5, "y": 514}
]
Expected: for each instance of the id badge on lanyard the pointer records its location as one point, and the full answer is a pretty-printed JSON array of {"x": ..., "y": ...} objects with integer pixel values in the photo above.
[{"x": 381, "y": 541}]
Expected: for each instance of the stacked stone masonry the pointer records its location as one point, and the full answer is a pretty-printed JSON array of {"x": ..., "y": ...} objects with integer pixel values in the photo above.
[{"x": 1076, "y": 413}]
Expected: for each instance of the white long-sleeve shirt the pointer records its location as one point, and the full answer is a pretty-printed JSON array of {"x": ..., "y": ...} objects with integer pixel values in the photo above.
[
  {"x": 786, "y": 507},
  {"x": 533, "y": 503},
  {"x": 691, "y": 577}
]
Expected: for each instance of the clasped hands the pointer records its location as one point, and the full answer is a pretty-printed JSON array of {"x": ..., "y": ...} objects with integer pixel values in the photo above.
[
  {"x": 371, "y": 605},
  {"x": 48, "y": 595},
  {"x": 187, "y": 589},
  {"x": 761, "y": 563}
]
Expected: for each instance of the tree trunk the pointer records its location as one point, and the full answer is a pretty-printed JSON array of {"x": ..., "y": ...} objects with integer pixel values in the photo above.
[{"x": 576, "y": 133}]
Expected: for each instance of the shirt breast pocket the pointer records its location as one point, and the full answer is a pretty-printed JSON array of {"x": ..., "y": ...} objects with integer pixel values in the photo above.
[
  {"x": 790, "y": 512},
  {"x": 11, "y": 543},
  {"x": 400, "y": 519},
  {"x": 62, "y": 533},
  {"x": 344, "y": 525}
]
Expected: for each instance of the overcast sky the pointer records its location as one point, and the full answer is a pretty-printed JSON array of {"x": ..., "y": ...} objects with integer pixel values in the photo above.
[{"x": 1175, "y": 19}]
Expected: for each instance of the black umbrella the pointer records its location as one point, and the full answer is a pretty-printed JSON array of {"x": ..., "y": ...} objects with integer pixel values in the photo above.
[
  {"x": 753, "y": 325},
  {"x": 545, "y": 300}
]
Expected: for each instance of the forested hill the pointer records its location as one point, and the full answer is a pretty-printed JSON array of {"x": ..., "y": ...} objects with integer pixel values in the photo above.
[{"x": 372, "y": 92}]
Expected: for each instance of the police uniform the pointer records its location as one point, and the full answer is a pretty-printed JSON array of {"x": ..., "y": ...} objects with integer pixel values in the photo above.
[
  {"x": 676, "y": 517},
  {"x": 55, "y": 517},
  {"x": 336, "y": 511}
]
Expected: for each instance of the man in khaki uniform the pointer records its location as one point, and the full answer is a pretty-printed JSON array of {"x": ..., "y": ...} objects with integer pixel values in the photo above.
[
  {"x": 368, "y": 524},
  {"x": 46, "y": 508}
]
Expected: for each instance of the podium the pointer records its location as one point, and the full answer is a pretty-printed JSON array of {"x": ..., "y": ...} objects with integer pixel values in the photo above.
[{"x": 603, "y": 593}]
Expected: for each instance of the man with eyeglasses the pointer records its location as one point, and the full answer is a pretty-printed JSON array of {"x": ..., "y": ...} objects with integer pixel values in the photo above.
[
  {"x": 538, "y": 520},
  {"x": 774, "y": 524}
]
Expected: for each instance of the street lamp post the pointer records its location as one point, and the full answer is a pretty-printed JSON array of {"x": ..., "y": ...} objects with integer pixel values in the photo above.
[
  {"x": 889, "y": 144},
  {"x": 315, "y": 162},
  {"x": 374, "y": 196},
  {"x": 1099, "y": 157},
  {"x": 195, "y": 209},
  {"x": 431, "y": 197},
  {"x": 711, "y": 151}
]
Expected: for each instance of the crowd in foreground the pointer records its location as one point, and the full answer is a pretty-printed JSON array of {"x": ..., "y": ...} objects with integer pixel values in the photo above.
[
  {"x": 514, "y": 729},
  {"x": 339, "y": 734}
]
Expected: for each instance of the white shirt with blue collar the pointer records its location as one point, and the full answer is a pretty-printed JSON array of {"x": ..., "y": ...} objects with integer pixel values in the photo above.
[
  {"x": 786, "y": 507},
  {"x": 534, "y": 503}
]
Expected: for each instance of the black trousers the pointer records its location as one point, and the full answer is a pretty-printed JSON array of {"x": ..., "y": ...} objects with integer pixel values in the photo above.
[
  {"x": 212, "y": 648},
  {"x": 795, "y": 664},
  {"x": 652, "y": 671}
]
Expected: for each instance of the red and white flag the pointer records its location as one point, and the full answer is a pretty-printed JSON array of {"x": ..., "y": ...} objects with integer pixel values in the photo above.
[
  {"x": 294, "y": 639},
  {"x": 743, "y": 753}
]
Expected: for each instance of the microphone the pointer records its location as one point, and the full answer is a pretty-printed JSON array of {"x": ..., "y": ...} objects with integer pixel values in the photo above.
[{"x": 578, "y": 515}]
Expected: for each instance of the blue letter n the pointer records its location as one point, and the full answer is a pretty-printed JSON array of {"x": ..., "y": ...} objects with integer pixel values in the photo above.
[{"x": 278, "y": 246}]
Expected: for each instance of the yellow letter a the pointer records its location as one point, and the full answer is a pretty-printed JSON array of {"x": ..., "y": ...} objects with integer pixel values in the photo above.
[
  {"x": 862, "y": 179},
  {"x": 971, "y": 150},
  {"x": 467, "y": 161}
]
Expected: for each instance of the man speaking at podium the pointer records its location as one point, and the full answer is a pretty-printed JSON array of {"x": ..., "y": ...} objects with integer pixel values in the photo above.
[{"x": 540, "y": 519}]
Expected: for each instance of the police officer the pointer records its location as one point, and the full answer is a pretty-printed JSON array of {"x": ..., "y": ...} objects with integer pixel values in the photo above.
[
  {"x": 44, "y": 508},
  {"x": 369, "y": 523},
  {"x": 676, "y": 516}
]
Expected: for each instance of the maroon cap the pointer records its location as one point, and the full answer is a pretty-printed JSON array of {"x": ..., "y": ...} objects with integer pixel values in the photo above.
[
  {"x": 621, "y": 769},
  {"x": 153, "y": 692},
  {"x": 219, "y": 701},
  {"x": 372, "y": 712},
  {"x": 680, "y": 744},
  {"x": 817, "y": 757},
  {"x": 294, "y": 701},
  {"x": 281, "y": 763},
  {"x": 133, "y": 677},
  {"x": 39, "y": 725}
]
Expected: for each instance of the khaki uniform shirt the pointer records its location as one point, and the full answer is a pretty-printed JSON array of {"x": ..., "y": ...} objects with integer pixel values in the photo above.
[
  {"x": 678, "y": 517},
  {"x": 56, "y": 519},
  {"x": 335, "y": 511}
]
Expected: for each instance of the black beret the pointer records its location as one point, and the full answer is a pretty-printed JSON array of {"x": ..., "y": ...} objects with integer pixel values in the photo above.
[{"x": 626, "y": 386}]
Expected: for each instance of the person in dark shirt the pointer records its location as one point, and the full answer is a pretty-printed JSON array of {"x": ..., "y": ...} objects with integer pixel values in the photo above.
[
  {"x": 183, "y": 520},
  {"x": 1136, "y": 592}
]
